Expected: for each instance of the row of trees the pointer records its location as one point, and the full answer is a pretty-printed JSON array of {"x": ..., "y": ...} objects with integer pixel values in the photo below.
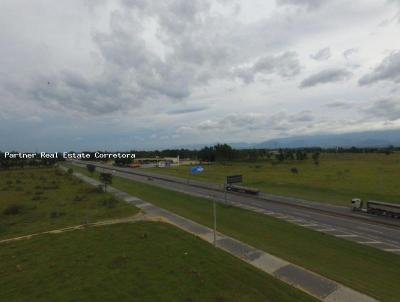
[{"x": 218, "y": 152}]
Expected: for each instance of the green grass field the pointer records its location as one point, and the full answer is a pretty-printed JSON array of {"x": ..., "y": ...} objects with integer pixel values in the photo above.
[
  {"x": 34, "y": 200},
  {"x": 144, "y": 261},
  {"x": 363, "y": 268},
  {"x": 337, "y": 179}
]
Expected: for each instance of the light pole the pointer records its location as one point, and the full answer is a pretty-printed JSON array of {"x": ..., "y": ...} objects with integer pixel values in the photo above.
[
  {"x": 215, "y": 222},
  {"x": 225, "y": 193}
]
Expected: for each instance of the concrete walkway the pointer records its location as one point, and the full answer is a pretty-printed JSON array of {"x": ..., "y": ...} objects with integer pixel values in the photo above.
[{"x": 301, "y": 278}]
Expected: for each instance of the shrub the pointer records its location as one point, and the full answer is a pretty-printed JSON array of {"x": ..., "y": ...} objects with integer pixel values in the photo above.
[
  {"x": 78, "y": 198},
  {"x": 52, "y": 187},
  {"x": 294, "y": 170},
  {"x": 13, "y": 209},
  {"x": 109, "y": 202},
  {"x": 70, "y": 171},
  {"x": 58, "y": 173},
  {"x": 56, "y": 214}
]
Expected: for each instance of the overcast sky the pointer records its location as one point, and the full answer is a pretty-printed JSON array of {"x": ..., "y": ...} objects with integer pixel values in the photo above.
[{"x": 134, "y": 74}]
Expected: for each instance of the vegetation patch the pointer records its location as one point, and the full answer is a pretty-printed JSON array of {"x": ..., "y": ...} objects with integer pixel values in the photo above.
[
  {"x": 43, "y": 192},
  {"x": 112, "y": 263},
  {"x": 327, "y": 177}
]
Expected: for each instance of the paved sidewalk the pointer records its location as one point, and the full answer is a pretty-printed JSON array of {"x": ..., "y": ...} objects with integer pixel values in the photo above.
[{"x": 303, "y": 279}]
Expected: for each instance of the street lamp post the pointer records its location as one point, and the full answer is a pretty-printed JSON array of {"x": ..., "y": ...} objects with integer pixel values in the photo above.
[{"x": 215, "y": 222}]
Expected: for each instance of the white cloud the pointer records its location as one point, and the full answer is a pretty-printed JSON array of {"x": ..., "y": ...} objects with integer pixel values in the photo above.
[{"x": 322, "y": 54}]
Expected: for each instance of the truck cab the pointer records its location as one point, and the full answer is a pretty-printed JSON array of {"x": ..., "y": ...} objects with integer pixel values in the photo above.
[{"x": 357, "y": 204}]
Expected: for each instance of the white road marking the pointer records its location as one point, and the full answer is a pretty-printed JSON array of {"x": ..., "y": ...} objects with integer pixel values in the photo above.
[
  {"x": 326, "y": 230},
  {"x": 369, "y": 242},
  {"x": 268, "y": 213},
  {"x": 296, "y": 220}
]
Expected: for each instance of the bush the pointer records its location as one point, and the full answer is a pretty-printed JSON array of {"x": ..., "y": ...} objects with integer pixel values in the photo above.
[
  {"x": 56, "y": 214},
  {"x": 70, "y": 171},
  {"x": 58, "y": 173},
  {"x": 109, "y": 202},
  {"x": 52, "y": 187},
  {"x": 78, "y": 198},
  {"x": 294, "y": 170},
  {"x": 13, "y": 209}
]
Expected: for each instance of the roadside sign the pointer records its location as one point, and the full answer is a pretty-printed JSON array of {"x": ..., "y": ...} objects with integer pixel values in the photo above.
[
  {"x": 196, "y": 169},
  {"x": 234, "y": 179}
]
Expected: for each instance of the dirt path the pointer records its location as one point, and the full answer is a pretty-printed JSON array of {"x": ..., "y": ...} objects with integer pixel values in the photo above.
[{"x": 141, "y": 216}]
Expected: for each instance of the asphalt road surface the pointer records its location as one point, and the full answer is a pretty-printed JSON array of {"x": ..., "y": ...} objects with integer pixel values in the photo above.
[{"x": 380, "y": 232}]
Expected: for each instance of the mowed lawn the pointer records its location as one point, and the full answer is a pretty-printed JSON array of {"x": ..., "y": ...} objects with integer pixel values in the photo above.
[
  {"x": 144, "y": 261},
  {"x": 34, "y": 200},
  {"x": 366, "y": 269},
  {"x": 337, "y": 179}
]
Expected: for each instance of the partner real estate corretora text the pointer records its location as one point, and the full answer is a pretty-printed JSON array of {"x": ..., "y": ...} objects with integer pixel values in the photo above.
[{"x": 67, "y": 155}]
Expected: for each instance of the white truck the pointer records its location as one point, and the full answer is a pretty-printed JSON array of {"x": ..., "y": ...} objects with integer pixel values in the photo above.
[{"x": 376, "y": 207}]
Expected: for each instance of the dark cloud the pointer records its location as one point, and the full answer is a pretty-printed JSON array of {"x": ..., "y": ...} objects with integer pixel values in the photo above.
[
  {"x": 256, "y": 121},
  {"x": 187, "y": 110},
  {"x": 285, "y": 65},
  {"x": 322, "y": 54},
  {"x": 72, "y": 91},
  {"x": 340, "y": 105},
  {"x": 325, "y": 76},
  {"x": 348, "y": 52},
  {"x": 308, "y": 4},
  {"x": 387, "y": 70},
  {"x": 386, "y": 109}
]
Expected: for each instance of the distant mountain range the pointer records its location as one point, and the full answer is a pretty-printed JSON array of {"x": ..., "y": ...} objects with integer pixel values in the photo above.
[
  {"x": 357, "y": 139},
  {"x": 382, "y": 138}
]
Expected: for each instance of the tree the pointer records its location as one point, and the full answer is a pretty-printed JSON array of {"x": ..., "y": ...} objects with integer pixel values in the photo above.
[
  {"x": 91, "y": 168},
  {"x": 223, "y": 152},
  {"x": 106, "y": 179},
  {"x": 280, "y": 156},
  {"x": 301, "y": 154},
  {"x": 315, "y": 158}
]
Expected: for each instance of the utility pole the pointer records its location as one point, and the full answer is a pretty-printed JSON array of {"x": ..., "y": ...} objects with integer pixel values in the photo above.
[
  {"x": 215, "y": 222},
  {"x": 225, "y": 193}
]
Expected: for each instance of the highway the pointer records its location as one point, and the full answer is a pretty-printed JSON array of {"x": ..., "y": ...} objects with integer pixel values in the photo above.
[{"x": 379, "y": 232}]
